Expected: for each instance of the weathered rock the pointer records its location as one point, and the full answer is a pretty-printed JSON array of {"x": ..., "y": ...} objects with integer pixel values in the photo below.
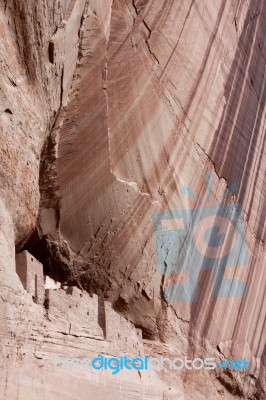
[{"x": 109, "y": 111}]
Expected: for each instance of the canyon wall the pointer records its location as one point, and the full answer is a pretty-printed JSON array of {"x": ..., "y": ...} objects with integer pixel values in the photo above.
[{"x": 118, "y": 118}]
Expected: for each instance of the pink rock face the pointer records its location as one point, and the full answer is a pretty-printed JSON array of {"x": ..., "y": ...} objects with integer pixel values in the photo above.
[{"x": 115, "y": 111}]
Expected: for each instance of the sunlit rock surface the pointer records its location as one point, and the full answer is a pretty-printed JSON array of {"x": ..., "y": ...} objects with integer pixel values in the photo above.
[{"x": 112, "y": 113}]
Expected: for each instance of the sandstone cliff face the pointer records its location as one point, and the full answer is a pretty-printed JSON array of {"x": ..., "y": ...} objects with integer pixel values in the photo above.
[{"x": 108, "y": 110}]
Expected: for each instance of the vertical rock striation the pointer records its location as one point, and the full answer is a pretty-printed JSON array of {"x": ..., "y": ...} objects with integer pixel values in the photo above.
[{"x": 108, "y": 110}]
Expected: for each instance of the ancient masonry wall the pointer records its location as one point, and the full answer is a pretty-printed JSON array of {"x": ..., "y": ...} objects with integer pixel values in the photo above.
[
  {"x": 30, "y": 271},
  {"x": 76, "y": 312}
]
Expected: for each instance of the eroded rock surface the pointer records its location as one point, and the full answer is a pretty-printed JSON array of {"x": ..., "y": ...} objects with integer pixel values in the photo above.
[{"x": 108, "y": 110}]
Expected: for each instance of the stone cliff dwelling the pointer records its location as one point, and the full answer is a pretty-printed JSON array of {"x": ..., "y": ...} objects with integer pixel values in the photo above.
[
  {"x": 48, "y": 293},
  {"x": 69, "y": 304},
  {"x": 30, "y": 272},
  {"x": 110, "y": 110}
]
